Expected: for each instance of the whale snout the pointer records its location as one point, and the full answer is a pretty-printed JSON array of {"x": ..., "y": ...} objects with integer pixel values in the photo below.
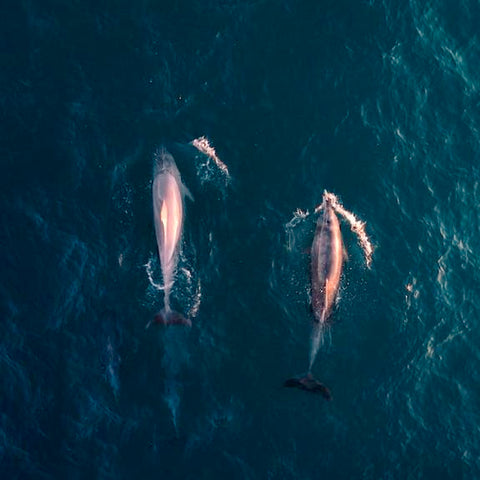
[{"x": 164, "y": 162}]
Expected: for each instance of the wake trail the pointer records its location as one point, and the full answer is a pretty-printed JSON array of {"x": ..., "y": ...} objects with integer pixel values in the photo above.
[
  {"x": 172, "y": 399},
  {"x": 174, "y": 358},
  {"x": 318, "y": 335},
  {"x": 150, "y": 274}
]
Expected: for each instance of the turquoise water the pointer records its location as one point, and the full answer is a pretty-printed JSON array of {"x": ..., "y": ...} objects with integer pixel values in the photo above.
[{"x": 377, "y": 102}]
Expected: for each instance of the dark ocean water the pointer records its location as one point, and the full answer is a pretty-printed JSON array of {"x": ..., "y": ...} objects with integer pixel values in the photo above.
[{"x": 376, "y": 101}]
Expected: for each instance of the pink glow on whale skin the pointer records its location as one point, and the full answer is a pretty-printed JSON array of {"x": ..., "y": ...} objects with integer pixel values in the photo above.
[{"x": 168, "y": 212}]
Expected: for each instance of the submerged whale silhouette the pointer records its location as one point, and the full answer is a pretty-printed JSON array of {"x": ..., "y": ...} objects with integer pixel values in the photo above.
[{"x": 309, "y": 384}]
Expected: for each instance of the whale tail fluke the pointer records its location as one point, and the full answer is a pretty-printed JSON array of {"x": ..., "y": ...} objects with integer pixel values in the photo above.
[
  {"x": 171, "y": 317},
  {"x": 309, "y": 384}
]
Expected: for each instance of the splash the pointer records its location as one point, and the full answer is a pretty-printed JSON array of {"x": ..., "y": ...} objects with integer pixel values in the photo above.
[
  {"x": 356, "y": 225},
  {"x": 298, "y": 216},
  {"x": 197, "y": 296},
  {"x": 149, "y": 270},
  {"x": 196, "y": 301},
  {"x": 187, "y": 273},
  {"x": 203, "y": 145}
]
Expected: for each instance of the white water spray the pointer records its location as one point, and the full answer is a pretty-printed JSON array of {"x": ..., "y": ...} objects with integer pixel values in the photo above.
[
  {"x": 356, "y": 225},
  {"x": 298, "y": 216},
  {"x": 203, "y": 145},
  {"x": 196, "y": 301},
  {"x": 149, "y": 270}
]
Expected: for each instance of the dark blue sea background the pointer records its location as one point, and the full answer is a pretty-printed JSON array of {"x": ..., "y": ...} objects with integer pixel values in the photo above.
[{"x": 375, "y": 101}]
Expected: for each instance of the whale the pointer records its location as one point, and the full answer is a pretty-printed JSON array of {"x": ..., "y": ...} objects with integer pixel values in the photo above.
[
  {"x": 168, "y": 194},
  {"x": 326, "y": 265}
]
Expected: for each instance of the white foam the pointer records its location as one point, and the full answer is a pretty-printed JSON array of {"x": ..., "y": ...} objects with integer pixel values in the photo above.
[
  {"x": 203, "y": 145},
  {"x": 149, "y": 270},
  {"x": 196, "y": 301},
  {"x": 356, "y": 225},
  {"x": 298, "y": 216}
]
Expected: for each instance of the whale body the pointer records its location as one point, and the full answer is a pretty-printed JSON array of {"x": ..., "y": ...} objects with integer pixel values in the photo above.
[
  {"x": 327, "y": 256},
  {"x": 326, "y": 263},
  {"x": 168, "y": 194}
]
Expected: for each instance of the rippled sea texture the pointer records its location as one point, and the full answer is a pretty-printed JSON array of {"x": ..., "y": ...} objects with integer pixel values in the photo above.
[{"x": 375, "y": 101}]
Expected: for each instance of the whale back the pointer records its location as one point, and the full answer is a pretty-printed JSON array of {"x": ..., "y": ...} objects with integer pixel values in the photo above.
[
  {"x": 326, "y": 263},
  {"x": 168, "y": 211}
]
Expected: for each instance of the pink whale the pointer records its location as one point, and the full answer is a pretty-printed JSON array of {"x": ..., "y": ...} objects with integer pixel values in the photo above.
[{"x": 168, "y": 194}]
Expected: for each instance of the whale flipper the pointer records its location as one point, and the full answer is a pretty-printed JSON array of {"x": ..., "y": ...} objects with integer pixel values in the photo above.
[
  {"x": 309, "y": 384},
  {"x": 186, "y": 192}
]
